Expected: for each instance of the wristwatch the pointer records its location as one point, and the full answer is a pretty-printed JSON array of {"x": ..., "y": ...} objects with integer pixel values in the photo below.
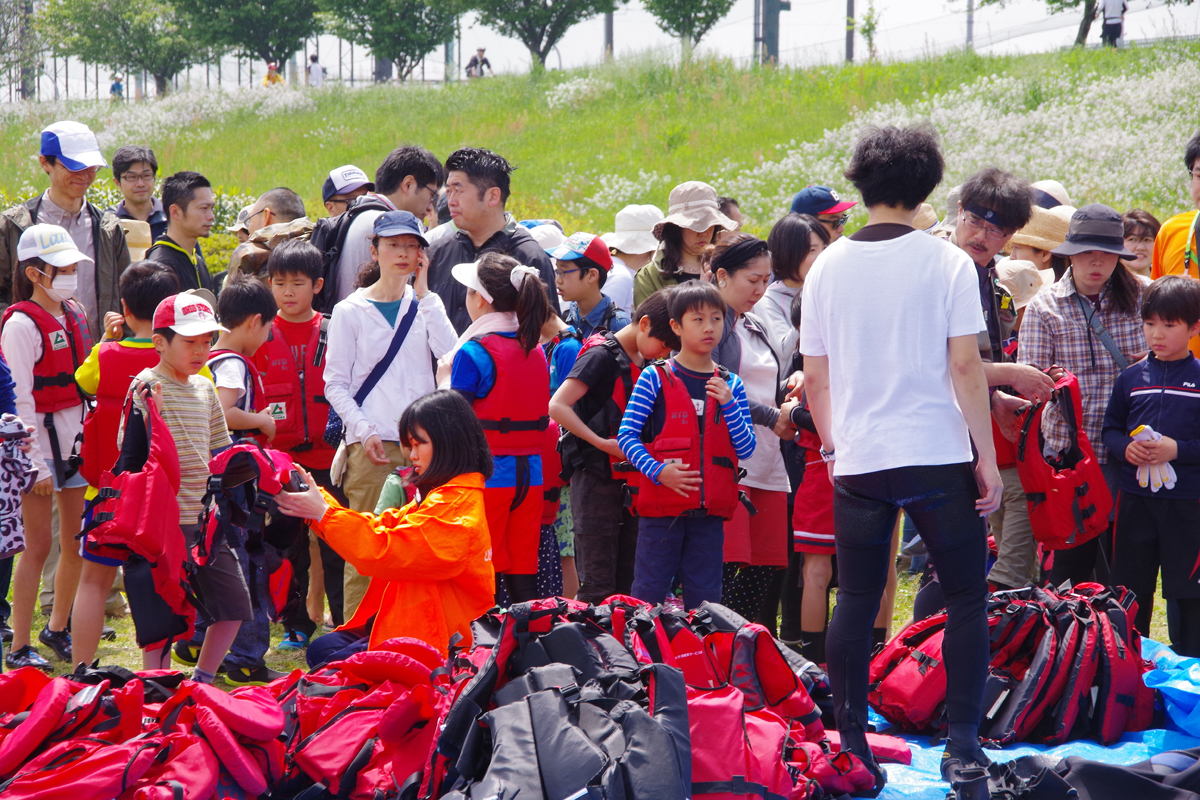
[{"x": 827, "y": 455}]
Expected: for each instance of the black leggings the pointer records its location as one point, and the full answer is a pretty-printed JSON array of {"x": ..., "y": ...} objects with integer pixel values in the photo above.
[{"x": 940, "y": 501}]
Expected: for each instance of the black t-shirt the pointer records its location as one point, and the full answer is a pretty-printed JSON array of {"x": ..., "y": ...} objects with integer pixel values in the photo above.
[{"x": 599, "y": 368}]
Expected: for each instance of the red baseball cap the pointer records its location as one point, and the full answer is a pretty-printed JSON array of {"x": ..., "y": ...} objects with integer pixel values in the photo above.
[
  {"x": 584, "y": 245},
  {"x": 188, "y": 315}
]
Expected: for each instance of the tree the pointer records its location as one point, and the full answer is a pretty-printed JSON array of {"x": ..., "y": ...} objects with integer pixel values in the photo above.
[
  {"x": 688, "y": 20},
  {"x": 143, "y": 34},
  {"x": 269, "y": 30},
  {"x": 400, "y": 31},
  {"x": 537, "y": 24},
  {"x": 1089, "y": 12},
  {"x": 18, "y": 42}
]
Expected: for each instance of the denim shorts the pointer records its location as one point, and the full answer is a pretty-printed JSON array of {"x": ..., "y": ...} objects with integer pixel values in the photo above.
[{"x": 76, "y": 481}]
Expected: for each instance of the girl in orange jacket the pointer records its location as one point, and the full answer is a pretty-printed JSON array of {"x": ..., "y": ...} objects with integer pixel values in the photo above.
[{"x": 432, "y": 555}]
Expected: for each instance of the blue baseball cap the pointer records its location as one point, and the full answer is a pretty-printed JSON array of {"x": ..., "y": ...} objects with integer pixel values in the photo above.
[
  {"x": 819, "y": 200},
  {"x": 74, "y": 144},
  {"x": 399, "y": 223}
]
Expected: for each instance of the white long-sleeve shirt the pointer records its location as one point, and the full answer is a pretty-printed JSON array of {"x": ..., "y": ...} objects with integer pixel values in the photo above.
[
  {"x": 21, "y": 342},
  {"x": 359, "y": 337}
]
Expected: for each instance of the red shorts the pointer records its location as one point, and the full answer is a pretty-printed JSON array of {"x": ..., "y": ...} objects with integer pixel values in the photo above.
[
  {"x": 515, "y": 531},
  {"x": 761, "y": 540},
  {"x": 812, "y": 517}
]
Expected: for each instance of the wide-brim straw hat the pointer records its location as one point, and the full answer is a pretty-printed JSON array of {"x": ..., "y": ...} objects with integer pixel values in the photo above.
[
  {"x": 926, "y": 218},
  {"x": 693, "y": 205},
  {"x": 1045, "y": 230},
  {"x": 1095, "y": 227}
]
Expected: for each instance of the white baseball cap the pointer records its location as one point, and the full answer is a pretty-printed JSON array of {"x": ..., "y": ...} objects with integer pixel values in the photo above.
[
  {"x": 74, "y": 144},
  {"x": 548, "y": 237},
  {"x": 51, "y": 244},
  {"x": 635, "y": 229},
  {"x": 243, "y": 220},
  {"x": 345, "y": 179},
  {"x": 188, "y": 315}
]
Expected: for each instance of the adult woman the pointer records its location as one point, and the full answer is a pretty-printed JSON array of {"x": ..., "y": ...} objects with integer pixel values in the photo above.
[
  {"x": 795, "y": 242},
  {"x": 691, "y": 224},
  {"x": 1140, "y": 229},
  {"x": 755, "y": 547},
  {"x": 1060, "y": 330}
]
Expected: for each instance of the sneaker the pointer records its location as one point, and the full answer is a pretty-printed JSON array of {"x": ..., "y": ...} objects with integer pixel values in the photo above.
[
  {"x": 58, "y": 641},
  {"x": 27, "y": 656},
  {"x": 5, "y": 631},
  {"x": 258, "y": 676},
  {"x": 184, "y": 653},
  {"x": 108, "y": 633},
  {"x": 293, "y": 640}
]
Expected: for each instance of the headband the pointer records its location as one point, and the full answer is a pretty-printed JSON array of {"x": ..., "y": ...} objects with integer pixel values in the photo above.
[
  {"x": 988, "y": 215},
  {"x": 740, "y": 253},
  {"x": 519, "y": 273}
]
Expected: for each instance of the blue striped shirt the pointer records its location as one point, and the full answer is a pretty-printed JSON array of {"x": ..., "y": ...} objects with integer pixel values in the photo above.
[{"x": 641, "y": 405}]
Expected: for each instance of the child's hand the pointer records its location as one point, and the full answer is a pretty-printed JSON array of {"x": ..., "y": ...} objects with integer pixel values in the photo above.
[
  {"x": 680, "y": 479},
  {"x": 1137, "y": 453},
  {"x": 142, "y": 389},
  {"x": 266, "y": 426},
  {"x": 795, "y": 385},
  {"x": 719, "y": 390},
  {"x": 1162, "y": 451},
  {"x": 44, "y": 487},
  {"x": 114, "y": 325},
  {"x": 613, "y": 449}
]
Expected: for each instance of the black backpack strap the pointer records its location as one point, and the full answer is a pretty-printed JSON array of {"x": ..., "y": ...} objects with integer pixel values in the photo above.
[
  {"x": 394, "y": 348},
  {"x": 322, "y": 341}
]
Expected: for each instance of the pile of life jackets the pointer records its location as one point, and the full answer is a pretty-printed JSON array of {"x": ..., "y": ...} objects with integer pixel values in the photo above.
[
  {"x": 1064, "y": 665},
  {"x": 556, "y": 699}
]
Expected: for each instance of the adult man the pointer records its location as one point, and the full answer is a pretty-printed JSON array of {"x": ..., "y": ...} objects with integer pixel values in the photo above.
[
  {"x": 272, "y": 207},
  {"x": 407, "y": 180},
  {"x": 1114, "y": 20},
  {"x": 1176, "y": 249},
  {"x": 70, "y": 156},
  {"x": 633, "y": 245},
  {"x": 823, "y": 203},
  {"x": 134, "y": 171},
  {"x": 343, "y": 185},
  {"x": 316, "y": 72},
  {"x": 477, "y": 186},
  {"x": 477, "y": 63},
  {"x": 898, "y": 427},
  {"x": 188, "y": 199}
]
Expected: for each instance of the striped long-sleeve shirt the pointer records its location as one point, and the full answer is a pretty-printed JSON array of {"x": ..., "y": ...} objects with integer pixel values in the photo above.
[{"x": 641, "y": 406}]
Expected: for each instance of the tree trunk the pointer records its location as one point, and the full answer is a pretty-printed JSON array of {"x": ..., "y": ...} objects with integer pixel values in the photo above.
[
  {"x": 160, "y": 85},
  {"x": 1085, "y": 25},
  {"x": 686, "y": 45},
  {"x": 537, "y": 59}
]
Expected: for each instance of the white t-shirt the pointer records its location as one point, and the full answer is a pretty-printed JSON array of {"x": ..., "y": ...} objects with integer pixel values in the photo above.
[
  {"x": 882, "y": 312},
  {"x": 316, "y": 75},
  {"x": 230, "y": 373},
  {"x": 1113, "y": 10},
  {"x": 618, "y": 285}
]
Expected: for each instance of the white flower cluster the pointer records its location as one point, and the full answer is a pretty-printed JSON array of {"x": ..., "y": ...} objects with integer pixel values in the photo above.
[
  {"x": 570, "y": 94},
  {"x": 614, "y": 191}
]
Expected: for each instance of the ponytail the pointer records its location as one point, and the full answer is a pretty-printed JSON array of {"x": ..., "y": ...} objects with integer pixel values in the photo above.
[{"x": 515, "y": 287}]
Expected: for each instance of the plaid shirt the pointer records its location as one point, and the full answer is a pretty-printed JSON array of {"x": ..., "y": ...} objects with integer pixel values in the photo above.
[{"x": 1055, "y": 331}]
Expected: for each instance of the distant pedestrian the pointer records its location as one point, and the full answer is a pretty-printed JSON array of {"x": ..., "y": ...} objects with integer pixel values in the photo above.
[
  {"x": 477, "y": 64},
  {"x": 1114, "y": 20},
  {"x": 116, "y": 89},
  {"x": 316, "y": 72},
  {"x": 272, "y": 77}
]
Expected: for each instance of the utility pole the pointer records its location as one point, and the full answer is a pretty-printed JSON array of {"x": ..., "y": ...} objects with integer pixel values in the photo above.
[
  {"x": 849, "y": 31},
  {"x": 970, "y": 24},
  {"x": 760, "y": 56},
  {"x": 770, "y": 28},
  {"x": 608, "y": 37}
]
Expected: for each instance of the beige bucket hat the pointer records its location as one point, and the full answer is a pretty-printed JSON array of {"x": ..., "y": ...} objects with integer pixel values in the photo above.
[
  {"x": 1022, "y": 279},
  {"x": 1045, "y": 230},
  {"x": 693, "y": 205}
]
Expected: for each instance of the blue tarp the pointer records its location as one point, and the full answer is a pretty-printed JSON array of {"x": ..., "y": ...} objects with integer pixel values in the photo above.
[{"x": 1178, "y": 679}]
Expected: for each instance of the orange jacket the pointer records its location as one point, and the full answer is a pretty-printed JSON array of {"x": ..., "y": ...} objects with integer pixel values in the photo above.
[{"x": 436, "y": 554}]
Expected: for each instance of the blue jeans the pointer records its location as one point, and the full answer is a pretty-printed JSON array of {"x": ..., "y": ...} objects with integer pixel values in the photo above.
[
  {"x": 687, "y": 547},
  {"x": 336, "y": 646},
  {"x": 254, "y": 636}
]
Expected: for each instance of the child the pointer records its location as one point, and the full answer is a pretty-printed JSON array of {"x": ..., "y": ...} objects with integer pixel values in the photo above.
[
  {"x": 589, "y": 406},
  {"x": 246, "y": 308},
  {"x": 582, "y": 264},
  {"x": 183, "y": 328},
  {"x": 44, "y": 337},
  {"x": 293, "y": 367},
  {"x": 688, "y": 482},
  {"x": 433, "y": 554},
  {"x": 365, "y": 326},
  {"x": 501, "y": 370},
  {"x": 1160, "y": 527},
  {"x": 106, "y": 374}
]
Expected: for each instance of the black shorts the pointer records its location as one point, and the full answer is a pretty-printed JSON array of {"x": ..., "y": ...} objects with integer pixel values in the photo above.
[
  {"x": 1157, "y": 532},
  {"x": 221, "y": 584}
]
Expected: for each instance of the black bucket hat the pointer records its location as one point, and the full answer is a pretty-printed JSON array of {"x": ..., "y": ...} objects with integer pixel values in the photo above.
[{"x": 1095, "y": 227}]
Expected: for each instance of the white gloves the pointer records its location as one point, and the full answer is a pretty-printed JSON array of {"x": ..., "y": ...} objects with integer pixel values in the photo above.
[{"x": 1155, "y": 476}]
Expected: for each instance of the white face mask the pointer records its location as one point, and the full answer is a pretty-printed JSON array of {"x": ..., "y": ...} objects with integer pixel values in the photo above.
[{"x": 62, "y": 287}]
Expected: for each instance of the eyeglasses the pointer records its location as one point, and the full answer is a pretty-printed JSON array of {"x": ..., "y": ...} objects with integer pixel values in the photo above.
[
  {"x": 838, "y": 222},
  {"x": 410, "y": 246},
  {"x": 562, "y": 273},
  {"x": 1193, "y": 174},
  {"x": 139, "y": 177},
  {"x": 989, "y": 230},
  {"x": 255, "y": 214}
]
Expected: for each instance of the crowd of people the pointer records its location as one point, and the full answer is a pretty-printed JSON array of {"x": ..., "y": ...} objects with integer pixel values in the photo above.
[{"x": 487, "y": 410}]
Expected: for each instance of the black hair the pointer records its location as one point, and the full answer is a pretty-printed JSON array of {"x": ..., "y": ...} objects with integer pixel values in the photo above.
[
  {"x": 1123, "y": 289},
  {"x": 404, "y": 161},
  {"x": 284, "y": 203},
  {"x": 1140, "y": 223},
  {"x": 242, "y": 297},
  {"x": 484, "y": 169},
  {"x": 585, "y": 265},
  {"x": 672, "y": 244},
  {"x": 896, "y": 166},
  {"x": 655, "y": 307},
  {"x": 1192, "y": 152},
  {"x": 51, "y": 160},
  {"x": 794, "y": 310},
  {"x": 130, "y": 154},
  {"x": 146, "y": 284},
  {"x": 790, "y": 242},
  {"x": 296, "y": 257},
  {"x": 733, "y": 254},
  {"x": 1174, "y": 298},
  {"x": 22, "y": 286},
  {"x": 313, "y": 57},
  {"x": 166, "y": 333},
  {"x": 727, "y": 204},
  {"x": 529, "y": 302},
  {"x": 180, "y": 189},
  {"x": 459, "y": 446},
  {"x": 692, "y": 295},
  {"x": 996, "y": 190}
]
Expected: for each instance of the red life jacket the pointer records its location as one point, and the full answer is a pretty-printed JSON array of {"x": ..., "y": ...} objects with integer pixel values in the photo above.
[
  {"x": 608, "y": 420},
  {"x": 1068, "y": 498},
  {"x": 117, "y": 365},
  {"x": 683, "y": 439},
  {"x": 254, "y": 399},
  {"x": 294, "y": 395},
  {"x": 64, "y": 347},
  {"x": 516, "y": 411},
  {"x": 552, "y": 481}
]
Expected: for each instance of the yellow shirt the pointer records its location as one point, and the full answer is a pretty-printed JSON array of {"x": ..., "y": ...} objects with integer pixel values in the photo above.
[
  {"x": 1170, "y": 253},
  {"x": 272, "y": 78},
  {"x": 88, "y": 373}
]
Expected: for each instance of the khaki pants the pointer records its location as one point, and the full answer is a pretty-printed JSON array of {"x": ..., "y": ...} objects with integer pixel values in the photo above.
[
  {"x": 1016, "y": 559},
  {"x": 362, "y": 482}
]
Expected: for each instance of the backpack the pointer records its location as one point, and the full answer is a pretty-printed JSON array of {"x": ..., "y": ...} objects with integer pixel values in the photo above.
[{"x": 329, "y": 236}]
